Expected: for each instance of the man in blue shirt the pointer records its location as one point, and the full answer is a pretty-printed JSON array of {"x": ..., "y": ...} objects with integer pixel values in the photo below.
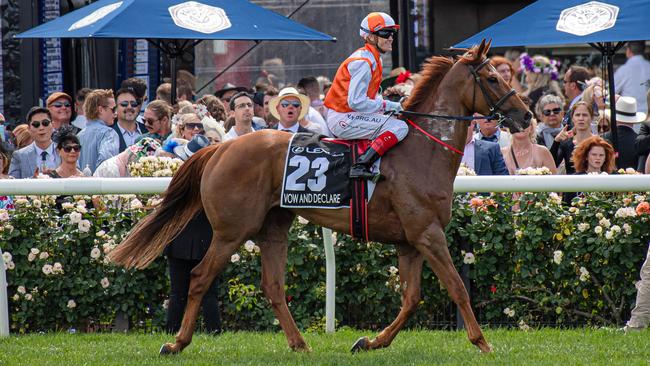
[
  {"x": 98, "y": 141},
  {"x": 632, "y": 79}
]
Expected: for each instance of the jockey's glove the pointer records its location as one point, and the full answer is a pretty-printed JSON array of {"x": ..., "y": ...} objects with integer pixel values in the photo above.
[{"x": 392, "y": 106}]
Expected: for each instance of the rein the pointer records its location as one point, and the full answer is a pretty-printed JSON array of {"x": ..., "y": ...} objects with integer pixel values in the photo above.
[{"x": 444, "y": 144}]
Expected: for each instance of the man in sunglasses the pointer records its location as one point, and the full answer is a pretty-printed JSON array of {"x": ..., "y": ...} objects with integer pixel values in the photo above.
[
  {"x": 99, "y": 142},
  {"x": 127, "y": 127},
  {"x": 291, "y": 107},
  {"x": 60, "y": 106},
  {"x": 40, "y": 156},
  {"x": 355, "y": 104}
]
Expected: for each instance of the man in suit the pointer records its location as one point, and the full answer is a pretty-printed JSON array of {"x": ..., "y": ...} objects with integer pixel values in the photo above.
[
  {"x": 40, "y": 156},
  {"x": 127, "y": 127},
  {"x": 626, "y": 116},
  {"x": 643, "y": 145},
  {"x": 484, "y": 157},
  {"x": 290, "y": 107}
]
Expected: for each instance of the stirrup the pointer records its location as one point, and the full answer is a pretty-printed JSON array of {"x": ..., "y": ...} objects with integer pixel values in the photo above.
[{"x": 359, "y": 171}]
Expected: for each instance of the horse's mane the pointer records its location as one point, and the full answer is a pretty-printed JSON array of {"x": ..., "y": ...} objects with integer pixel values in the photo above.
[{"x": 433, "y": 71}]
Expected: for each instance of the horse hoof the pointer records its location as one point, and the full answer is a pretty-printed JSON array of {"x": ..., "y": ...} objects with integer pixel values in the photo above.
[
  {"x": 166, "y": 349},
  {"x": 360, "y": 345}
]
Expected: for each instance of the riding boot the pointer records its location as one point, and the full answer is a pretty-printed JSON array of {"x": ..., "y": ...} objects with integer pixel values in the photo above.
[{"x": 361, "y": 169}]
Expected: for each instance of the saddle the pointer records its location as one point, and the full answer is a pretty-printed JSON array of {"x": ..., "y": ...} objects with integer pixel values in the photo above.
[{"x": 316, "y": 176}]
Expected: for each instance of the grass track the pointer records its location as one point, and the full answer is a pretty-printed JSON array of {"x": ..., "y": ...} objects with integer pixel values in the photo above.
[{"x": 512, "y": 347}]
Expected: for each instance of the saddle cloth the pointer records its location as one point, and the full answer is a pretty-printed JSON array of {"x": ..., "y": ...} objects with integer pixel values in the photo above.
[{"x": 316, "y": 172}]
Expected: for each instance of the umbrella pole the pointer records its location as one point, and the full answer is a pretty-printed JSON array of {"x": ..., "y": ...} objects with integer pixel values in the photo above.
[{"x": 172, "y": 66}]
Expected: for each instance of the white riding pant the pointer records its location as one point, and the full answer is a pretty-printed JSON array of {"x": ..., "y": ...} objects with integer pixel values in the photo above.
[
  {"x": 358, "y": 125},
  {"x": 641, "y": 313}
]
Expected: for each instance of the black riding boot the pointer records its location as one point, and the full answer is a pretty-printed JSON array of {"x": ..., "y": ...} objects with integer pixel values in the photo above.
[{"x": 361, "y": 168}]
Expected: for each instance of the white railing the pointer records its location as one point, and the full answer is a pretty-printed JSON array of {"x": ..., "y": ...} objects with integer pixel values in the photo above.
[{"x": 517, "y": 183}]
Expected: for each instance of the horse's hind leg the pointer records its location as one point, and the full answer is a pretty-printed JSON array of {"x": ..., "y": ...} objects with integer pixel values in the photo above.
[
  {"x": 433, "y": 245},
  {"x": 273, "y": 242},
  {"x": 410, "y": 275},
  {"x": 215, "y": 260}
]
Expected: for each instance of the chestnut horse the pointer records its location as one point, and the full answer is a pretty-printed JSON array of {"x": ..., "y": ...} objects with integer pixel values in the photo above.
[{"x": 241, "y": 180}]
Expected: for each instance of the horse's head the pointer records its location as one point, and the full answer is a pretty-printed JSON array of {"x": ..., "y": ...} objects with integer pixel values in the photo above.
[{"x": 487, "y": 93}]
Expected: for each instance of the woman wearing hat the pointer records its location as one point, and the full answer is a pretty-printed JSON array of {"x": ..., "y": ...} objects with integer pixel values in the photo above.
[
  {"x": 117, "y": 166},
  {"x": 356, "y": 107},
  {"x": 626, "y": 117}
]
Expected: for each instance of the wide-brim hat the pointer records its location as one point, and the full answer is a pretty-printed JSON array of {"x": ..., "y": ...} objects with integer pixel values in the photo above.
[
  {"x": 229, "y": 87},
  {"x": 196, "y": 143},
  {"x": 57, "y": 95},
  {"x": 626, "y": 111},
  {"x": 289, "y": 92}
]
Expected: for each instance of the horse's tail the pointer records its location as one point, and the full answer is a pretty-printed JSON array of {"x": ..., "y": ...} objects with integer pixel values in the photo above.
[{"x": 181, "y": 202}]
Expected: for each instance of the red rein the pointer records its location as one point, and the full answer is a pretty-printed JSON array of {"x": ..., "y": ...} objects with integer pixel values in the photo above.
[{"x": 444, "y": 144}]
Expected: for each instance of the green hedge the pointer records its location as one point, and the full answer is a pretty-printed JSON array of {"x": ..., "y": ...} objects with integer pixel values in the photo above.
[{"x": 531, "y": 261}]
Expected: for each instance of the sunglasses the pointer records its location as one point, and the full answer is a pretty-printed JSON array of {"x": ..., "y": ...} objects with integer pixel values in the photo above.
[
  {"x": 386, "y": 33},
  {"x": 69, "y": 148},
  {"x": 149, "y": 121},
  {"x": 547, "y": 112},
  {"x": 134, "y": 103},
  {"x": 113, "y": 109},
  {"x": 191, "y": 126},
  {"x": 37, "y": 124},
  {"x": 286, "y": 104},
  {"x": 61, "y": 104}
]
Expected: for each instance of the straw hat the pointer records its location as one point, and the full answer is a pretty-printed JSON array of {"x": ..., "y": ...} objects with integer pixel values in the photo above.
[
  {"x": 289, "y": 92},
  {"x": 626, "y": 111}
]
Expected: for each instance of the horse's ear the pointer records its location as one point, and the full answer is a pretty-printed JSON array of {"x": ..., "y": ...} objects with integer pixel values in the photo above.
[
  {"x": 481, "y": 49},
  {"x": 487, "y": 47}
]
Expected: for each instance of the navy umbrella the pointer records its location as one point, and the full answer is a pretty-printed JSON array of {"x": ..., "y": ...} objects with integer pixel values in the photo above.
[
  {"x": 174, "y": 26},
  {"x": 605, "y": 25}
]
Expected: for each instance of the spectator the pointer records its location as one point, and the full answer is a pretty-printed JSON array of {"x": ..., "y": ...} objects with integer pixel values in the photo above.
[
  {"x": 60, "y": 107},
  {"x": 157, "y": 120},
  {"x": 626, "y": 116},
  {"x": 184, "y": 253},
  {"x": 227, "y": 92},
  {"x": 214, "y": 130},
  {"x": 184, "y": 92},
  {"x": 575, "y": 80},
  {"x": 310, "y": 87},
  {"x": 632, "y": 79},
  {"x": 22, "y": 136},
  {"x": 565, "y": 141},
  {"x": 190, "y": 125},
  {"x": 484, "y": 157},
  {"x": 507, "y": 71},
  {"x": 290, "y": 107},
  {"x": 139, "y": 87},
  {"x": 98, "y": 141},
  {"x": 643, "y": 142},
  {"x": 640, "y": 316},
  {"x": 4, "y": 132},
  {"x": 164, "y": 93},
  {"x": 512, "y": 55},
  {"x": 258, "y": 105},
  {"x": 270, "y": 93},
  {"x": 603, "y": 124},
  {"x": 549, "y": 109},
  {"x": 541, "y": 76},
  {"x": 594, "y": 155},
  {"x": 68, "y": 148},
  {"x": 79, "y": 98},
  {"x": 242, "y": 106},
  {"x": 524, "y": 153},
  {"x": 215, "y": 107},
  {"x": 6, "y": 202},
  {"x": 40, "y": 156},
  {"x": 118, "y": 165},
  {"x": 489, "y": 131},
  {"x": 127, "y": 128}
]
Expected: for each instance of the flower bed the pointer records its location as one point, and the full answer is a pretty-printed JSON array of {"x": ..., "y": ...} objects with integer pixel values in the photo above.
[{"x": 542, "y": 263}]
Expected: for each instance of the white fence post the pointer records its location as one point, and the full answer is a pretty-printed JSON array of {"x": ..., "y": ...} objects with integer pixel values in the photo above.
[
  {"x": 4, "y": 300},
  {"x": 330, "y": 281}
]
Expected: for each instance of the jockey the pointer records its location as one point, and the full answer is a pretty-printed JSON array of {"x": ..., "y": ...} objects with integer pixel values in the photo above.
[{"x": 355, "y": 106}]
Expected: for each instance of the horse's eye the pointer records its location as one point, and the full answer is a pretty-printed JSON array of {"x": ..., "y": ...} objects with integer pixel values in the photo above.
[{"x": 493, "y": 79}]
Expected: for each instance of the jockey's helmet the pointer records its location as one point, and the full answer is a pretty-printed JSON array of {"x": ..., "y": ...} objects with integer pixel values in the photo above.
[{"x": 375, "y": 22}]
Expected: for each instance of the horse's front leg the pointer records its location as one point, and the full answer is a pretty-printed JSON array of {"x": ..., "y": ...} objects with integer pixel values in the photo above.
[
  {"x": 410, "y": 275},
  {"x": 215, "y": 260},
  {"x": 274, "y": 261}
]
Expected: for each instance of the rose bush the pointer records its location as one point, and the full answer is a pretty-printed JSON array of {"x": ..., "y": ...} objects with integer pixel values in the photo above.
[{"x": 530, "y": 261}]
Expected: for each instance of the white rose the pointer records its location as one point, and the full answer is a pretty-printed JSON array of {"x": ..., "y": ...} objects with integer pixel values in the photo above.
[
  {"x": 598, "y": 230},
  {"x": 584, "y": 274},
  {"x": 11, "y": 265},
  {"x": 34, "y": 251},
  {"x": 71, "y": 304},
  {"x": 4, "y": 215},
  {"x": 31, "y": 257},
  {"x": 105, "y": 282},
  {"x": 37, "y": 203},
  {"x": 82, "y": 209},
  {"x": 303, "y": 220},
  {"x": 21, "y": 289},
  {"x": 84, "y": 226},
  {"x": 136, "y": 204},
  {"x": 7, "y": 257},
  {"x": 616, "y": 229},
  {"x": 95, "y": 253},
  {"x": 627, "y": 228},
  {"x": 469, "y": 258},
  {"x": 249, "y": 246},
  {"x": 557, "y": 256},
  {"x": 609, "y": 235},
  {"x": 256, "y": 249},
  {"x": 81, "y": 203},
  {"x": 16, "y": 297},
  {"x": 582, "y": 227},
  {"x": 57, "y": 268},
  {"x": 28, "y": 297},
  {"x": 166, "y": 304},
  {"x": 509, "y": 312},
  {"x": 393, "y": 270},
  {"x": 599, "y": 215},
  {"x": 44, "y": 255},
  {"x": 604, "y": 222},
  {"x": 234, "y": 258},
  {"x": 75, "y": 217},
  {"x": 67, "y": 206},
  {"x": 519, "y": 234},
  {"x": 555, "y": 198},
  {"x": 100, "y": 233},
  {"x": 630, "y": 171},
  {"x": 47, "y": 269}
]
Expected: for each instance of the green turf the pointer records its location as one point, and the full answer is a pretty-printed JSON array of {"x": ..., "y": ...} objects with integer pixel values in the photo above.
[{"x": 512, "y": 347}]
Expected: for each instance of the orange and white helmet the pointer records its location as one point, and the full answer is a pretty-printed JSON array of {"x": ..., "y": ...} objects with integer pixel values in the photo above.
[{"x": 376, "y": 21}]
